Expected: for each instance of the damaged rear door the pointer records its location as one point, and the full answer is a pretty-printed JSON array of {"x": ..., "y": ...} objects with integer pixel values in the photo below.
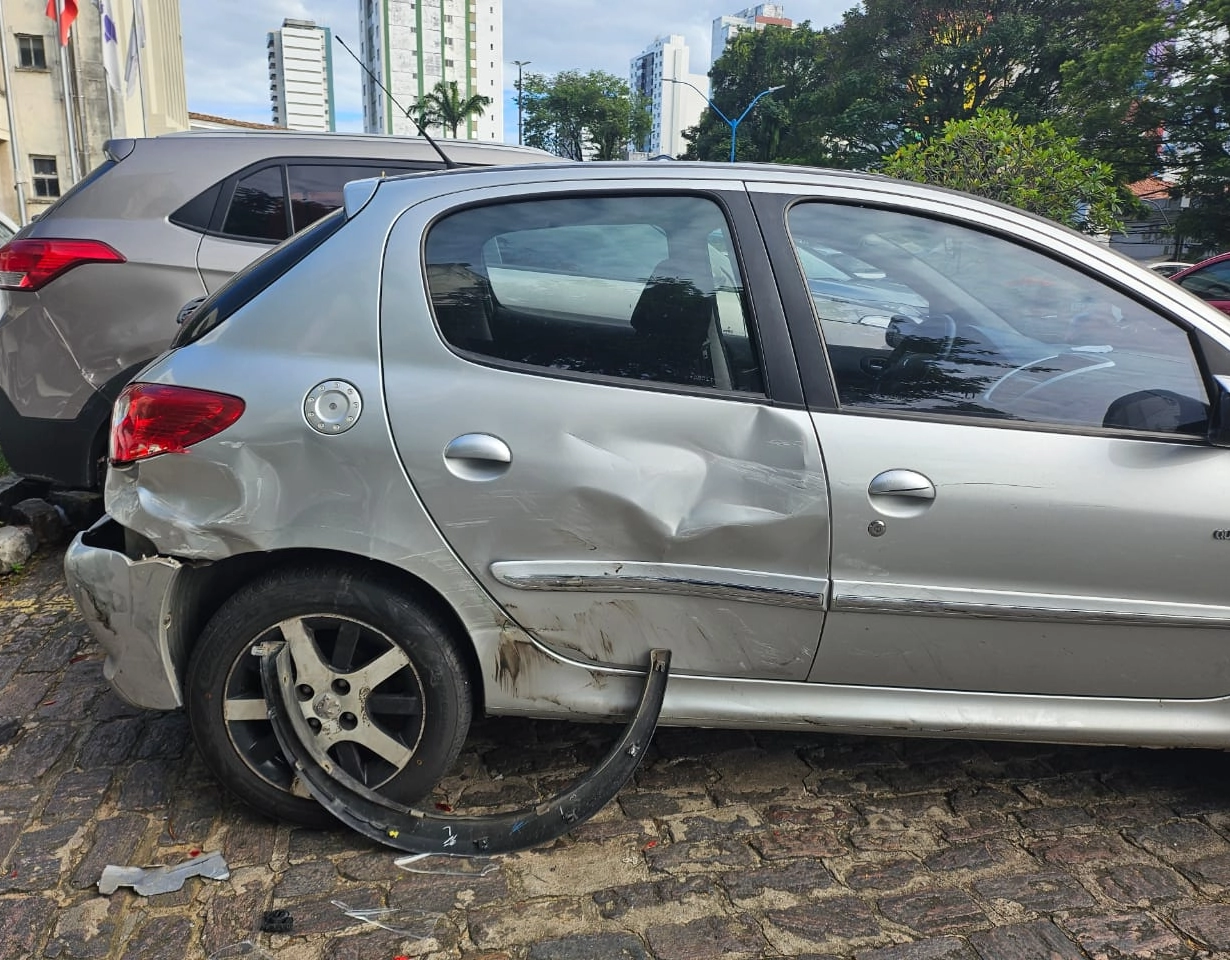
[{"x": 596, "y": 399}]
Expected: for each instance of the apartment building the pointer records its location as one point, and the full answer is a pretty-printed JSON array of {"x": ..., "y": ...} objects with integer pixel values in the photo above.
[
  {"x": 412, "y": 45},
  {"x": 753, "y": 18},
  {"x": 662, "y": 76},
  {"x": 124, "y": 80},
  {"x": 301, "y": 76}
]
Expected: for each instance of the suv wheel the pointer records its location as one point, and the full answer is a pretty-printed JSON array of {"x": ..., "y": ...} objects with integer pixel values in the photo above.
[{"x": 377, "y": 676}]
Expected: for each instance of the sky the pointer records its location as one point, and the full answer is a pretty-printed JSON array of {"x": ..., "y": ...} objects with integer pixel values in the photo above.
[{"x": 228, "y": 73}]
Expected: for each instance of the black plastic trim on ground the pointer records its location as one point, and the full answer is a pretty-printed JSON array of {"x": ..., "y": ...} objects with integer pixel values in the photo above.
[{"x": 417, "y": 831}]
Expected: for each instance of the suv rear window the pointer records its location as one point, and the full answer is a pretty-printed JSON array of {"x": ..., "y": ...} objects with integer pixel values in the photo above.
[
  {"x": 267, "y": 202},
  {"x": 255, "y": 277}
]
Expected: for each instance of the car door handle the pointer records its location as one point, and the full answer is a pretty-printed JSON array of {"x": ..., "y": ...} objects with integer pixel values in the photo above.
[
  {"x": 478, "y": 446},
  {"x": 902, "y": 483},
  {"x": 477, "y": 456}
]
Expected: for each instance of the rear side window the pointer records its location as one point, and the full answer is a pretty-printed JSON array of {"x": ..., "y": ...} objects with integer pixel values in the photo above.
[
  {"x": 258, "y": 207},
  {"x": 639, "y": 288},
  {"x": 281, "y": 197},
  {"x": 255, "y": 277},
  {"x": 198, "y": 213}
]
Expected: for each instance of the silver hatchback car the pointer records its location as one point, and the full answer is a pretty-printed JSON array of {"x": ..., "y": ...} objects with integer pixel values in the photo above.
[{"x": 481, "y": 440}]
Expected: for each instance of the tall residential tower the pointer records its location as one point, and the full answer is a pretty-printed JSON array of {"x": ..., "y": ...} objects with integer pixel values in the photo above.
[
  {"x": 753, "y": 18},
  {"x": 412, "y": 45},
  {"x": 675, "y": 106},
  {"x": 301, "y": 76}
]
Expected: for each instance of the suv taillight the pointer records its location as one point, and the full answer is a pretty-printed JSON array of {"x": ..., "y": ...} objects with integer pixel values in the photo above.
[
  {"x": 29, "y": 264},
  {"x": 154, "y": 418}
]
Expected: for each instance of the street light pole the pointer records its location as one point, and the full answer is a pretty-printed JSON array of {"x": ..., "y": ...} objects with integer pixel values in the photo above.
[
  {"x": 520, "y": 101},
  {"x": 734, "y": 124}
]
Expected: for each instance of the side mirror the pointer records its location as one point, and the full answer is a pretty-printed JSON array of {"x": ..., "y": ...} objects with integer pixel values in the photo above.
[
  {"x": 188, "y": 309},
  {"x": 1219, "y": 416}
]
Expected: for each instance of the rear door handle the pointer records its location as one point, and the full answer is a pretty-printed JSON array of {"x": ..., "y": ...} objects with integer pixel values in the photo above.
[
  {"x": 902, "y": 483},
  {"x": 478, "y": 446},
  {"x": 477, "y": 456}
]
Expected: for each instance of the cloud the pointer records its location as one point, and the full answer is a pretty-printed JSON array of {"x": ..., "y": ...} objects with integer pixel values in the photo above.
[{"x": 227, "y": 69}]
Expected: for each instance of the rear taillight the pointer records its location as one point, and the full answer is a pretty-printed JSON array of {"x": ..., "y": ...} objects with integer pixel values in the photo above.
[
  {"x": 154, "y": 418},
  {"x": 29, "y": 264}
]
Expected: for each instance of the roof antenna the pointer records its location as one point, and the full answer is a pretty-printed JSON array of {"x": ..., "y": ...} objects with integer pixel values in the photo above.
[{"x": 413, "y": 119}]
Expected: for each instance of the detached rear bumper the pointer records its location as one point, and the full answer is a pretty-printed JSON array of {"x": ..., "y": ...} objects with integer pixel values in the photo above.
[{"x": 127, "y": 603}]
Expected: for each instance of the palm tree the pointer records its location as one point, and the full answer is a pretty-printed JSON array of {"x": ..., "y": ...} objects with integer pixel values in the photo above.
[{"x": 444, "y": 106}]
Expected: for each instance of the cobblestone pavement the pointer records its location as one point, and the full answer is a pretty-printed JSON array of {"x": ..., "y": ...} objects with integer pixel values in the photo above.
[{"x": 727, "y": 845}]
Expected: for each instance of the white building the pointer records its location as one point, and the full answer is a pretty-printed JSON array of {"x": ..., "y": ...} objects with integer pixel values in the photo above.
[
  {"x": 753, "y": 18},
  {"x": 301, "y": 76},
  {"x": 675, "y": 105},
  {"x": 412, "y": 46},
  {"x": 122, "y": 78}
]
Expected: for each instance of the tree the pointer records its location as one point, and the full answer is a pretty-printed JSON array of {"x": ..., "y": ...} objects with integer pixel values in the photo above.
[
  {"x": 1031, "y": 167},
  {"x": 778, "y": 129},
  {"x": 932, "y": 61},
  {"x": 1196, "y": 123},
  {"x": 1114, "y": 96},
  {"x": 892, "y": 72},
  {"x": 445, "y": 107},
  {"x": 578, "y": 115}
]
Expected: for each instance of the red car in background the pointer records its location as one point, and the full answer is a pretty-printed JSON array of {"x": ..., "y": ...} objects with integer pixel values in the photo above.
[{"x": 1209, "y": 280}]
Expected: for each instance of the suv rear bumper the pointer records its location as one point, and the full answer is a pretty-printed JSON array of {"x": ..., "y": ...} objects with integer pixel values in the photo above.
[
  {"x": 127, "y": 604},
  {"x": 65, "y": 452}
]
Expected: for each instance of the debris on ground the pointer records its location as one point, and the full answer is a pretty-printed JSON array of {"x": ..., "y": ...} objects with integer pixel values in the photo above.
[
  {"x": 148, "y": 881},
  {"x": 422, "y": 831},
  {"x": 442, "y": 865},
  {"x": 244, "y": 948},
  {"x": 415, "y": 924},
  {"x": 277, "y": 921},
  {"x": 48, "y": 523},
  {"x": 16, "y": 547}
]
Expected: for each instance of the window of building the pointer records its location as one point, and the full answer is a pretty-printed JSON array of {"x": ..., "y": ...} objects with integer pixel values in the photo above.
[
  {"x": 930, "y": 317},
  {"x": 30, "y": 53},
  {"x": 638, "y": 288},
  {"x": 448, "y": 63},
  {"x": 46, "y": 177}
]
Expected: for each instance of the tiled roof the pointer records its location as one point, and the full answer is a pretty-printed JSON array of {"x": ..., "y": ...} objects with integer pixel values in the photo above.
[
  {"x": 210, "y": 118},
  {"x": 1150, "y": 188}
]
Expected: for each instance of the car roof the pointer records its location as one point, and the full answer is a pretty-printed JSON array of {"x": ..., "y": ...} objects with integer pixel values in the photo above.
[
  {"x": 378, "y": 141},
  {"x": 714, "y": 175},
  {"x": 153, "y": 176}
]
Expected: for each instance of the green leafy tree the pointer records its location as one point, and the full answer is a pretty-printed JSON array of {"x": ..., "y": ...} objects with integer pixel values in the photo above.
[
  {"x": 445, "y": 107},
  {"x": 1196, "y": 67},
  {"x": 1114, "y": 97},
  {"x": 778, "y": 128},
  {"x": 578, "y": 115},
  {"x": 892, "y": 72},
  {"x": 927, "y": 62},
  {"x": 1027, "y": 166}
]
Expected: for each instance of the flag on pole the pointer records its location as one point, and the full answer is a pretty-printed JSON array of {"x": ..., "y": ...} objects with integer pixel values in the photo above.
[
  {"x": 111, "y": 47},
  {"x": 136, "y": 40},
  {"x": 65, "y": 19}
]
